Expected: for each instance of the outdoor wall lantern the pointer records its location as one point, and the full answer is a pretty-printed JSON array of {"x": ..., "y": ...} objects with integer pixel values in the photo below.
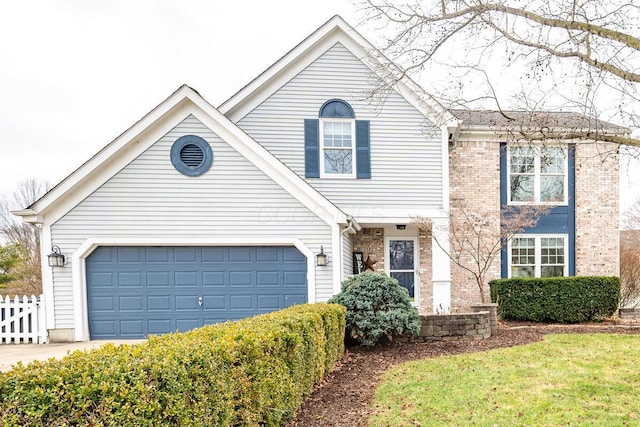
[
  {"x": 321, "y": 258},
  {"x": 55, "y": 258}
]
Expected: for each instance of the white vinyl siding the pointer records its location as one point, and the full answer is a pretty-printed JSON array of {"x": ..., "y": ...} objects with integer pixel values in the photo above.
[
  {"x": 406, "y": 150},
  {"x": 150, "y": 198}
]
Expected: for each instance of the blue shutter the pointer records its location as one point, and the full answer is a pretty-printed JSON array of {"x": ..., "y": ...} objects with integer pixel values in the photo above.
[
  {"x": 311, "y": 148},
  {"x": 363, "y": 150}
]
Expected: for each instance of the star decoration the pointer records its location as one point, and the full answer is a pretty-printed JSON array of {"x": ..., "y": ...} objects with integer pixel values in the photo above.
[{"x": 369, "y": 263}]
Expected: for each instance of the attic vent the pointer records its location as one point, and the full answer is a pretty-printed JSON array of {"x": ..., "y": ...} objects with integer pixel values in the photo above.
[{"x": 191, "y": 155}]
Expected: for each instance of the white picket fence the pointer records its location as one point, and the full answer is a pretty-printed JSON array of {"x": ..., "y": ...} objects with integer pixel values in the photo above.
[{"x": 22, "y": 320}]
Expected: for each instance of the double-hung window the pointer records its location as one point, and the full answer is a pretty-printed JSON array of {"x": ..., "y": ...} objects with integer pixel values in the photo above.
[
  {"x": 537, "y": 175},
  {"x": 538, "y": 256},
  {"x": 338, "y": 147}
]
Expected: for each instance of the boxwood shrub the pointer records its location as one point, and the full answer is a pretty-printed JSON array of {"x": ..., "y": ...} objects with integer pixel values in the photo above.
[
  {"x": 256, "y": 371},
  {"x": 556, "y": 299}
]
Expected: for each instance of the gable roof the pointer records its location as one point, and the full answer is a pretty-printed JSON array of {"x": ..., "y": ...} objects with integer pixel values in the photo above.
[
  {"x": 116, "y": 155},
  {"x": 335, "y": 30}
]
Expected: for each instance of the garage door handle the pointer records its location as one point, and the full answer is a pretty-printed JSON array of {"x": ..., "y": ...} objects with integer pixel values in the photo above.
[{"x": 200, "y": 301}]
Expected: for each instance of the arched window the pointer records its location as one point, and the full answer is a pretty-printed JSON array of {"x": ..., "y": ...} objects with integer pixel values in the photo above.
[{"x": 337, "y": 142}]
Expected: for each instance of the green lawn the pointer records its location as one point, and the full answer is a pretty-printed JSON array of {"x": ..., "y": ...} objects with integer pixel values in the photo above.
[{"x": 565, "y": 380}]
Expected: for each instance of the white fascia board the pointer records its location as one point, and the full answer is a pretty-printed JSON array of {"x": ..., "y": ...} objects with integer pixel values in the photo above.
[
  {"x": 147, "y": 131},
  {"x": 502, "y": 134},
  {"x": 78, "y": 177},
  {"x": 336, "y": 30}
]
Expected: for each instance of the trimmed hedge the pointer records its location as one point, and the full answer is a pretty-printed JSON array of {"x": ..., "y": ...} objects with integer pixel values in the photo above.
[
  {"x": 556, "y": 299},
  {"x": 256, "y": 371}
]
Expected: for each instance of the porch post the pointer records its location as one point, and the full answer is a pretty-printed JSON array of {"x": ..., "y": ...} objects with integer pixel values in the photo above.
[{"x": 441, "y": 265}]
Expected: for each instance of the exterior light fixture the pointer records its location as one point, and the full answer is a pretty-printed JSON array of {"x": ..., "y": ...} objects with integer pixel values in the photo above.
[
  {"x": 55, "y": 258},
  {"x": 401, "y": 226},
  {"x": 321, "y": 258}
]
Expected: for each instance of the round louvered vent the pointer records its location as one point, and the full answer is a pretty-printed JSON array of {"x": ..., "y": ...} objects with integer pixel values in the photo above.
[{"x": 191, "y": 155}]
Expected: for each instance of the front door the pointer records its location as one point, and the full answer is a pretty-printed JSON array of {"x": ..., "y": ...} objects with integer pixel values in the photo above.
[{"x": 403, "y": 261}]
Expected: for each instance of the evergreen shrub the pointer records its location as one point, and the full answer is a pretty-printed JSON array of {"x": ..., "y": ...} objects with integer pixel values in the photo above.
[
  {"x": 378, "y": 309},
  {"x": 556, "y": 299}
]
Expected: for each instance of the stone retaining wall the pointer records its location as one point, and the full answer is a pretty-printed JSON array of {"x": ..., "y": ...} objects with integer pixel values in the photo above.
[
  {"x": 439, "y": 327},
  {"x": 630, "y": 313}
]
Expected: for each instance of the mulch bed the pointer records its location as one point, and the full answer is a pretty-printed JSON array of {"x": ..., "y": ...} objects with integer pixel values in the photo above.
[{"x": 343, "y": 398}]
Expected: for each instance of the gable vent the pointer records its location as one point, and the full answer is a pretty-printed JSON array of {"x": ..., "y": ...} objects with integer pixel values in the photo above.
[{"x": 191, "y": 155}]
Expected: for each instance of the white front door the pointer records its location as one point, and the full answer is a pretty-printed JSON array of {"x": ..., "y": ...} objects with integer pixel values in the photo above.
[{"x": 402, "y": 262}]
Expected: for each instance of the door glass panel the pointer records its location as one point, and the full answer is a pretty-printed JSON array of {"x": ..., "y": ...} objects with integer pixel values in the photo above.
[
  {"x": 405, "y": 279},
  {"x": 402, "y": 264},
  {"x": 401, "y": 255}
]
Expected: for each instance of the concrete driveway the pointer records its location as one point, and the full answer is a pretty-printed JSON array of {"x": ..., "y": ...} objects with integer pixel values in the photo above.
[{"x": 10, "y": 354}]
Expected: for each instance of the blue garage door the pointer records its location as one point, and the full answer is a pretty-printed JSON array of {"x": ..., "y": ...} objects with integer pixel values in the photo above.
[{"x": 136, "y": 291}]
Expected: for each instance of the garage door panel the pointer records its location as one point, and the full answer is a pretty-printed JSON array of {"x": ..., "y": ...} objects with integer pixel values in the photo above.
[
  {"x": 268, "y": 254},
  {"x": 136, "y": 291},
  {"x": 294, "y": 279},
  {"x": 186, "y": 278},
  {"x": 185, "y": 255},
  {"x": 101, "y": 279},
  {"x": 214, "y": 302},
  {"x": 213, "y": 278},
  {"x": 157, "y": 255},
  {"x": 267, "y": 278},
  {"x": 214, "y": 255},
  {"x": 290, "y": 300},
  {"x": 130, "y": 280},
  {"x": 240, "y": 278},
  {"x": 269, "y": 302},
  {"x": 129, "y": 255},
  {"x": 131, "y": 304},
  {"x": 132, "y": 328},
  {"x": 160, "y": 326},
  {"x": 188, "y": 324},
  {"x": 240, "y": 254},
  {"x": 187, "y": 302},
  {"x": 159, "y": 303},
  {"x": 158, "y": 279},
  {"x": 102, "y": 304},
  {"x": 240, "y": 302}
]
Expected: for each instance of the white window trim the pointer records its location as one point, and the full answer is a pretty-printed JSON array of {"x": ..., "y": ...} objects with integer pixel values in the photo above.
[
  {"x": 538, "y": 252},
  {"x": 536, "y": 177},
  {"x": 416, "y": 262},
  {"x": 323, "y": 174}
]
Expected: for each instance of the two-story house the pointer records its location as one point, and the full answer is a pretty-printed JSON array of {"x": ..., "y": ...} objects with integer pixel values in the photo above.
[{"x": 198, "y": 214}]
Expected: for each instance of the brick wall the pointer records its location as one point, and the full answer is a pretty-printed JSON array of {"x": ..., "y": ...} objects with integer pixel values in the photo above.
[
  {"x": 475, "y": 183},
  {"x": 370, "y": 241},
  {"x": 597, "y": 210}
]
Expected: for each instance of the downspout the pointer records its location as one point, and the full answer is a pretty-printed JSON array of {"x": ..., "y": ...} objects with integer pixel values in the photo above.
[{"x": 352, "y": 226}]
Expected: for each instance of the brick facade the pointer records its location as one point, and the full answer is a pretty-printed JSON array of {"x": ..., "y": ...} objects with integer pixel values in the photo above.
[
  {"x": 371, "y": 241},
  {"x": 475, "y": 185},
  {"x": 474, "y": 174},
  {"x": 597, "y": 210}
]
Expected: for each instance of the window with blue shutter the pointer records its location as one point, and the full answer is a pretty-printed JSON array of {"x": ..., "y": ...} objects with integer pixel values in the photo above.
[{"x": 337, "y": 145}]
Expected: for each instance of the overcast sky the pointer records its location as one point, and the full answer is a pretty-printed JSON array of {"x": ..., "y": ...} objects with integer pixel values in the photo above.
[{"x": 74, "y": 74}]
